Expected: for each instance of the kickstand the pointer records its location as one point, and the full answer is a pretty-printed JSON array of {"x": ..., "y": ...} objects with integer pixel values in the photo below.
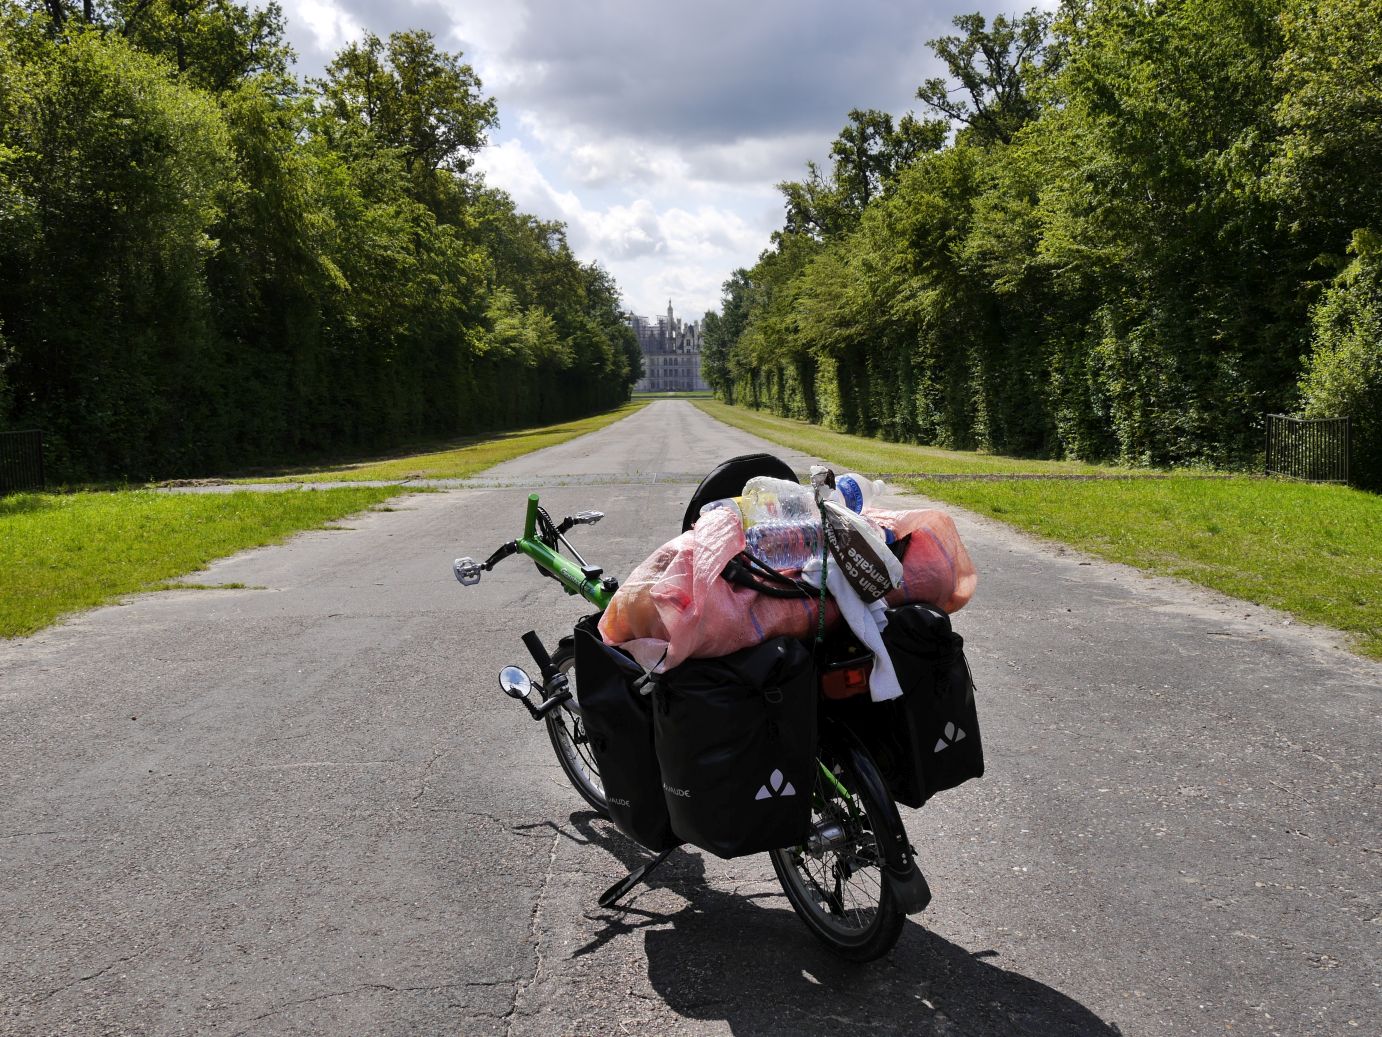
[{"x": 616, "y": 892}]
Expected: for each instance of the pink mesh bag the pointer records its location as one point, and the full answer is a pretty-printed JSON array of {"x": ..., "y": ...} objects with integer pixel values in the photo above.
[
  {"x": 675, "y": 606},
  {"x": 936, "y": 567}
]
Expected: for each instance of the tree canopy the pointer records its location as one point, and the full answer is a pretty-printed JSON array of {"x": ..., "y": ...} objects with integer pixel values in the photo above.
[
  {"x": 1145, "y": 226},
  {"x": 206, "y": 263}
]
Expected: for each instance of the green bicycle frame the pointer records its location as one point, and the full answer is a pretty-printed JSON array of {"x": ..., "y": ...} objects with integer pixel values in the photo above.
[{"x": 567, "y": 572}]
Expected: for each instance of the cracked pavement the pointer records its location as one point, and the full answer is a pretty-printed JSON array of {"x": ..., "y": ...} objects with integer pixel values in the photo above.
[{"x": 308, "y": 809}]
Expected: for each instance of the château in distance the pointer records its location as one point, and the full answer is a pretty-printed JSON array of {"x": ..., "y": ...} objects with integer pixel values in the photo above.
[{"x": 671, "y": 353}]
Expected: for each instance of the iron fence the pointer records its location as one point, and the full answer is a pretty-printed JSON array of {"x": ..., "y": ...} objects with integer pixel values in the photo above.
[
  {"x": 1313, "y": 449},
  {"x": 21, "y": 462}
]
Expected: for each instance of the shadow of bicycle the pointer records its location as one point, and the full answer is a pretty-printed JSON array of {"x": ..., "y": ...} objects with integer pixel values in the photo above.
[{"x": 745, "y": 958}]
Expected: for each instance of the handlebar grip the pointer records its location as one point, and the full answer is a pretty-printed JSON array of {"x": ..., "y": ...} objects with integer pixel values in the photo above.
[{"x": 539, "y": 654}]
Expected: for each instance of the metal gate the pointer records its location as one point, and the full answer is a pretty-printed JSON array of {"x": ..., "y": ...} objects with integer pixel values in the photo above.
[
  {"x": 1313, "y": 449},
  {"x": 21, "y": 461}
]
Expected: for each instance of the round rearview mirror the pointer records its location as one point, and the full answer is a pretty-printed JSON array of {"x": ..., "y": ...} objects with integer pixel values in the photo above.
[{"x": 516, "y": 683}]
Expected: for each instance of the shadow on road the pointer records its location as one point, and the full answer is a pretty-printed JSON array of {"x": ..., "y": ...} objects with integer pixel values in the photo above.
[{"x": 744, "y": 957}]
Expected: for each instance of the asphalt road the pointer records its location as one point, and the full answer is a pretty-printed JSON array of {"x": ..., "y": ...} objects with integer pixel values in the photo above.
[{"x": 306, "y": 808}]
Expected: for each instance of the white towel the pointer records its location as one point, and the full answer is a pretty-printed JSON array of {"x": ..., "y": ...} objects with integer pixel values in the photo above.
[{"x": 866, "y": 620}]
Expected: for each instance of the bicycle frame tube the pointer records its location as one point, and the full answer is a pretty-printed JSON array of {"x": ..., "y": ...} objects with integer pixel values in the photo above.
[{"x": 567, "y": 572}]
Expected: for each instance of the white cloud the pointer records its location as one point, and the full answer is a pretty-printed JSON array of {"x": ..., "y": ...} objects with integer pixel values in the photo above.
[
  {"x": 682, "y": 251},
  {"x": 331, "y": 26},
  {"x": 607, "y": 159},
  {"x": 657, "y": 130},
  {"x": 510, "y": 166},
  {"x": 487, "y": 33}
]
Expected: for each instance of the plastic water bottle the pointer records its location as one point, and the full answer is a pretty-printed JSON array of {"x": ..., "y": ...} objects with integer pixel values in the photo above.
[
  {"x": 731, "y": 503},
  {"x": 784, "y": 543},
  {"x": 765, "y": 498},
  {"x": 856, "y": 492}
]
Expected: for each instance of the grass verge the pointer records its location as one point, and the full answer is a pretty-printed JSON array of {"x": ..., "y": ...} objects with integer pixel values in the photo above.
[
  {"x": 62, "y": 553},
  {"x": 459, "y": 459},
  {"x": 1309, "y": 550},
  {"x": 858, "y": 453}
]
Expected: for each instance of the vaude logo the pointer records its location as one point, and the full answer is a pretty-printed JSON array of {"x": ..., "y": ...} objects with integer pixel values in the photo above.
[
  {"x": 777, "y": 786},
  {"x": 619, "y": 802},
  {"x": 683, "y": 793},
  {"x": 952, "y": 735}
]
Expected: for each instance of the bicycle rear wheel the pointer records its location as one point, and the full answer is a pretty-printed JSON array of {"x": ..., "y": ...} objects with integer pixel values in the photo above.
[
  {"x": 565, "y": 728},
  {"x": 835, "y": 882}
]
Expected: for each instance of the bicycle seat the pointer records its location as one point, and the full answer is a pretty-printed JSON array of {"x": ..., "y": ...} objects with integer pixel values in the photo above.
[{"x": 728, "y": 479}]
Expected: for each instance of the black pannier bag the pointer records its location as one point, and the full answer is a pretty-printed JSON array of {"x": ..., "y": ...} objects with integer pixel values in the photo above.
[
  {"x": 619, "y": 723},
  {"x": 937, "y": 711},
  {"x": 736, "y": 743}
]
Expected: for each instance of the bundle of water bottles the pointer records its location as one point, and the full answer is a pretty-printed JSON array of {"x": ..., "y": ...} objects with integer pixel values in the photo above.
[
  {"x": 782, "y": 520},
  {"x": 676, "y": 605}
]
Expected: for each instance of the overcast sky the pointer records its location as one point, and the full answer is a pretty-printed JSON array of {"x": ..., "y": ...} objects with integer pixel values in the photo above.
[{"x": 656, "y": 131}]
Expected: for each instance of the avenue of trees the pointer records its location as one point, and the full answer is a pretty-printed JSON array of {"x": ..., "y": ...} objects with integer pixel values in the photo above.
[
  {"x": 1126, "y": 230},
  {"x": 206, "y": 262}
]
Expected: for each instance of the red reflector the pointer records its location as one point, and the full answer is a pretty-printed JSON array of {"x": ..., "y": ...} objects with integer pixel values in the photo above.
[{"x": 845, "y": 682}]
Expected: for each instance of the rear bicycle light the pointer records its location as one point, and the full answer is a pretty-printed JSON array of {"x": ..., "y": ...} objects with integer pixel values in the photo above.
[{"x": 846, "y": 679}]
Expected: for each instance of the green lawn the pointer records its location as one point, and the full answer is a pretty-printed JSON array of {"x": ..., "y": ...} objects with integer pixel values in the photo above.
[
  {"x": 1313, "y": 551},
  {"x": 857, "y": 453},
  {"x": 64, "y": 552},
  {"x": 459, "y": 459}
]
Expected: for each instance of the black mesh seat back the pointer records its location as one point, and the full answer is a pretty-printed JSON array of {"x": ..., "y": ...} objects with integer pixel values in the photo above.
[{"x": 729, "y": 478}]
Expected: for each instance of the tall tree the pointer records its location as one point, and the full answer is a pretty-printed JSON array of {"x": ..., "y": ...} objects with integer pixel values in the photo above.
[
  {"x": 870, "y": 151},
  {"x": 118, "y": 174},
  {"x": 202, "y": 265},
  {"x": 215, "y": 43},
  {"x": 1330, "y": 74},
  {"x": 866, "y": 158},
  {"x": 406, "y": 95},
  {"x": 991, "y": 68}
]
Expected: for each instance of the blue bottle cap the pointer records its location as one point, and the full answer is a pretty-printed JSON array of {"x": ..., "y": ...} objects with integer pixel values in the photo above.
[{"x": 853, "y": 495}]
